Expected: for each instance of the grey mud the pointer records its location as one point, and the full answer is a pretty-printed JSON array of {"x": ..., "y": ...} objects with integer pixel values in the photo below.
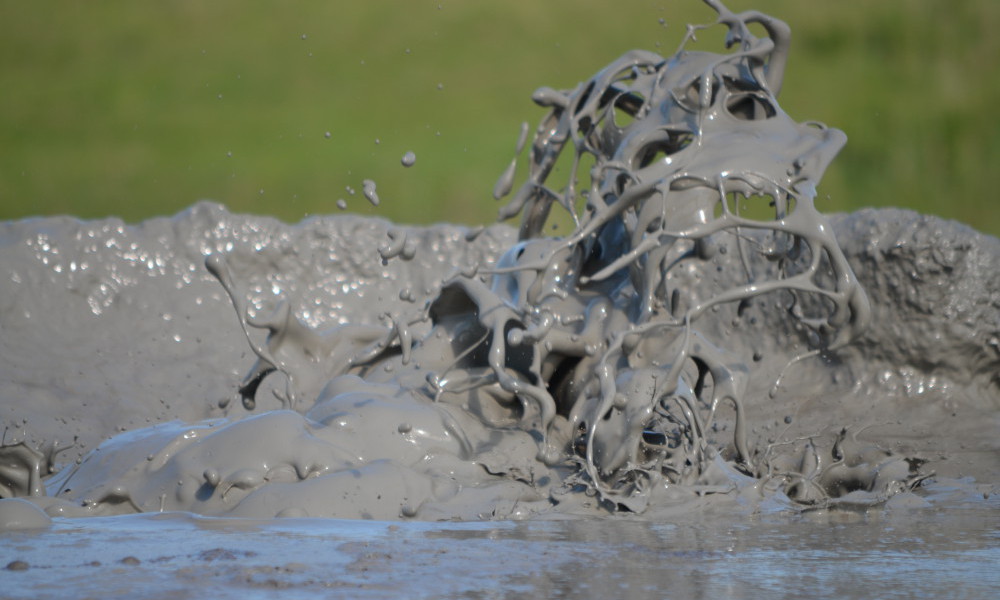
[{"x": 700, "y": 336}]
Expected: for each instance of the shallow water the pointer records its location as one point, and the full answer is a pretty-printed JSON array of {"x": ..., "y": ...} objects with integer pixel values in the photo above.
[{"x": 896, "y": 552}]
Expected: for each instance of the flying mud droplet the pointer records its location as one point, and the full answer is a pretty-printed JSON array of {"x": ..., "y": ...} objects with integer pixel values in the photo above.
[
  {"x": 522, "y": 139},
  {"x": 368, "y": 187},
  {"x": 506, "y": 181}
]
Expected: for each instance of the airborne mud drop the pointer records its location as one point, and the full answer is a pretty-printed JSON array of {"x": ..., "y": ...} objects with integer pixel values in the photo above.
[{"x": 702, "y": 336}]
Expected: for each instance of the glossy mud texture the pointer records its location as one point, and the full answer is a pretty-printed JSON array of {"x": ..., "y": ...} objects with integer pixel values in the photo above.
[
  {"x": 84, "y": 360},
  {"x": 701, "y": 338}
]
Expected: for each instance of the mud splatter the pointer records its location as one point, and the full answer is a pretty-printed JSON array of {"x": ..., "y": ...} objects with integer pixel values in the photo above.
[{"x": 657, "y": 357}]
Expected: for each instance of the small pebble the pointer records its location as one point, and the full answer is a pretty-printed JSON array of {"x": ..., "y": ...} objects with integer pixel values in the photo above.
[{"x": 408, "y": 159}]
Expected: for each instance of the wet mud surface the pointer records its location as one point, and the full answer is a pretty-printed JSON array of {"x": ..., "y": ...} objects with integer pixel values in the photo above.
[
  {"x": 159, "y": 365},
  {"x": 703, "y": 364}
]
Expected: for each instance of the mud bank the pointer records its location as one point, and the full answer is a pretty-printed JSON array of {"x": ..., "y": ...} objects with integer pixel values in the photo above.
[
  {"x": 138, "y": 334},
  {"x": 704, "y": 336}
]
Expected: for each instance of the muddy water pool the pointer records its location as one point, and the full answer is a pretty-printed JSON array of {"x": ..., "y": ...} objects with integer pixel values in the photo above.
[{"x": 889, "y": 553}]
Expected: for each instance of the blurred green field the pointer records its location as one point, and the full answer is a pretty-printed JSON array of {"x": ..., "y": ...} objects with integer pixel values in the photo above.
[{"x": 138, "y": 109}]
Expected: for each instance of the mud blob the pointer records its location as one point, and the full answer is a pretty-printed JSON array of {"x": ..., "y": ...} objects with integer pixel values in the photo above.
[
  {"x": 663, "y": 355},
  {"x": 17, "y": 514}
]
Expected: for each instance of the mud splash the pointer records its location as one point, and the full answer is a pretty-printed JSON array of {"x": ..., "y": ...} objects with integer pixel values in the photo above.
[{"x": 663, "y": 355}]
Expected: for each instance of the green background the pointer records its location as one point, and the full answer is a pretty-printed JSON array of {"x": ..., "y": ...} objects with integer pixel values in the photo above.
[{"x": 138, "y": 109}]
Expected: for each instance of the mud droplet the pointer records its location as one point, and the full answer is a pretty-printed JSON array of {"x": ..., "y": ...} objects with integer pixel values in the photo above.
[
  {"x": 506, "y": 181},
  {"x": 18, "y": 565},
  {"x": 522, "y": 138},
  {"x": 368, "y": 186}
]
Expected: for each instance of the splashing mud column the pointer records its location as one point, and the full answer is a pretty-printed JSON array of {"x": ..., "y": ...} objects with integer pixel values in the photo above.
[{"x": 679, "y": 146}]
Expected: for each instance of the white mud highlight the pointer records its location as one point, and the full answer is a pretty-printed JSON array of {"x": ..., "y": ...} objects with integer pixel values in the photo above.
[{"x": 703, "y": 335}]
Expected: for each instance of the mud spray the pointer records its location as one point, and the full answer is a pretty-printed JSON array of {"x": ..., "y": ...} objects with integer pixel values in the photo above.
[{"x": 700, "y": 336}]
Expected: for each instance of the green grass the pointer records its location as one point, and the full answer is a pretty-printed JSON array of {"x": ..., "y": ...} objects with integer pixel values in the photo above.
[{"x": 140, "y": 109}]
